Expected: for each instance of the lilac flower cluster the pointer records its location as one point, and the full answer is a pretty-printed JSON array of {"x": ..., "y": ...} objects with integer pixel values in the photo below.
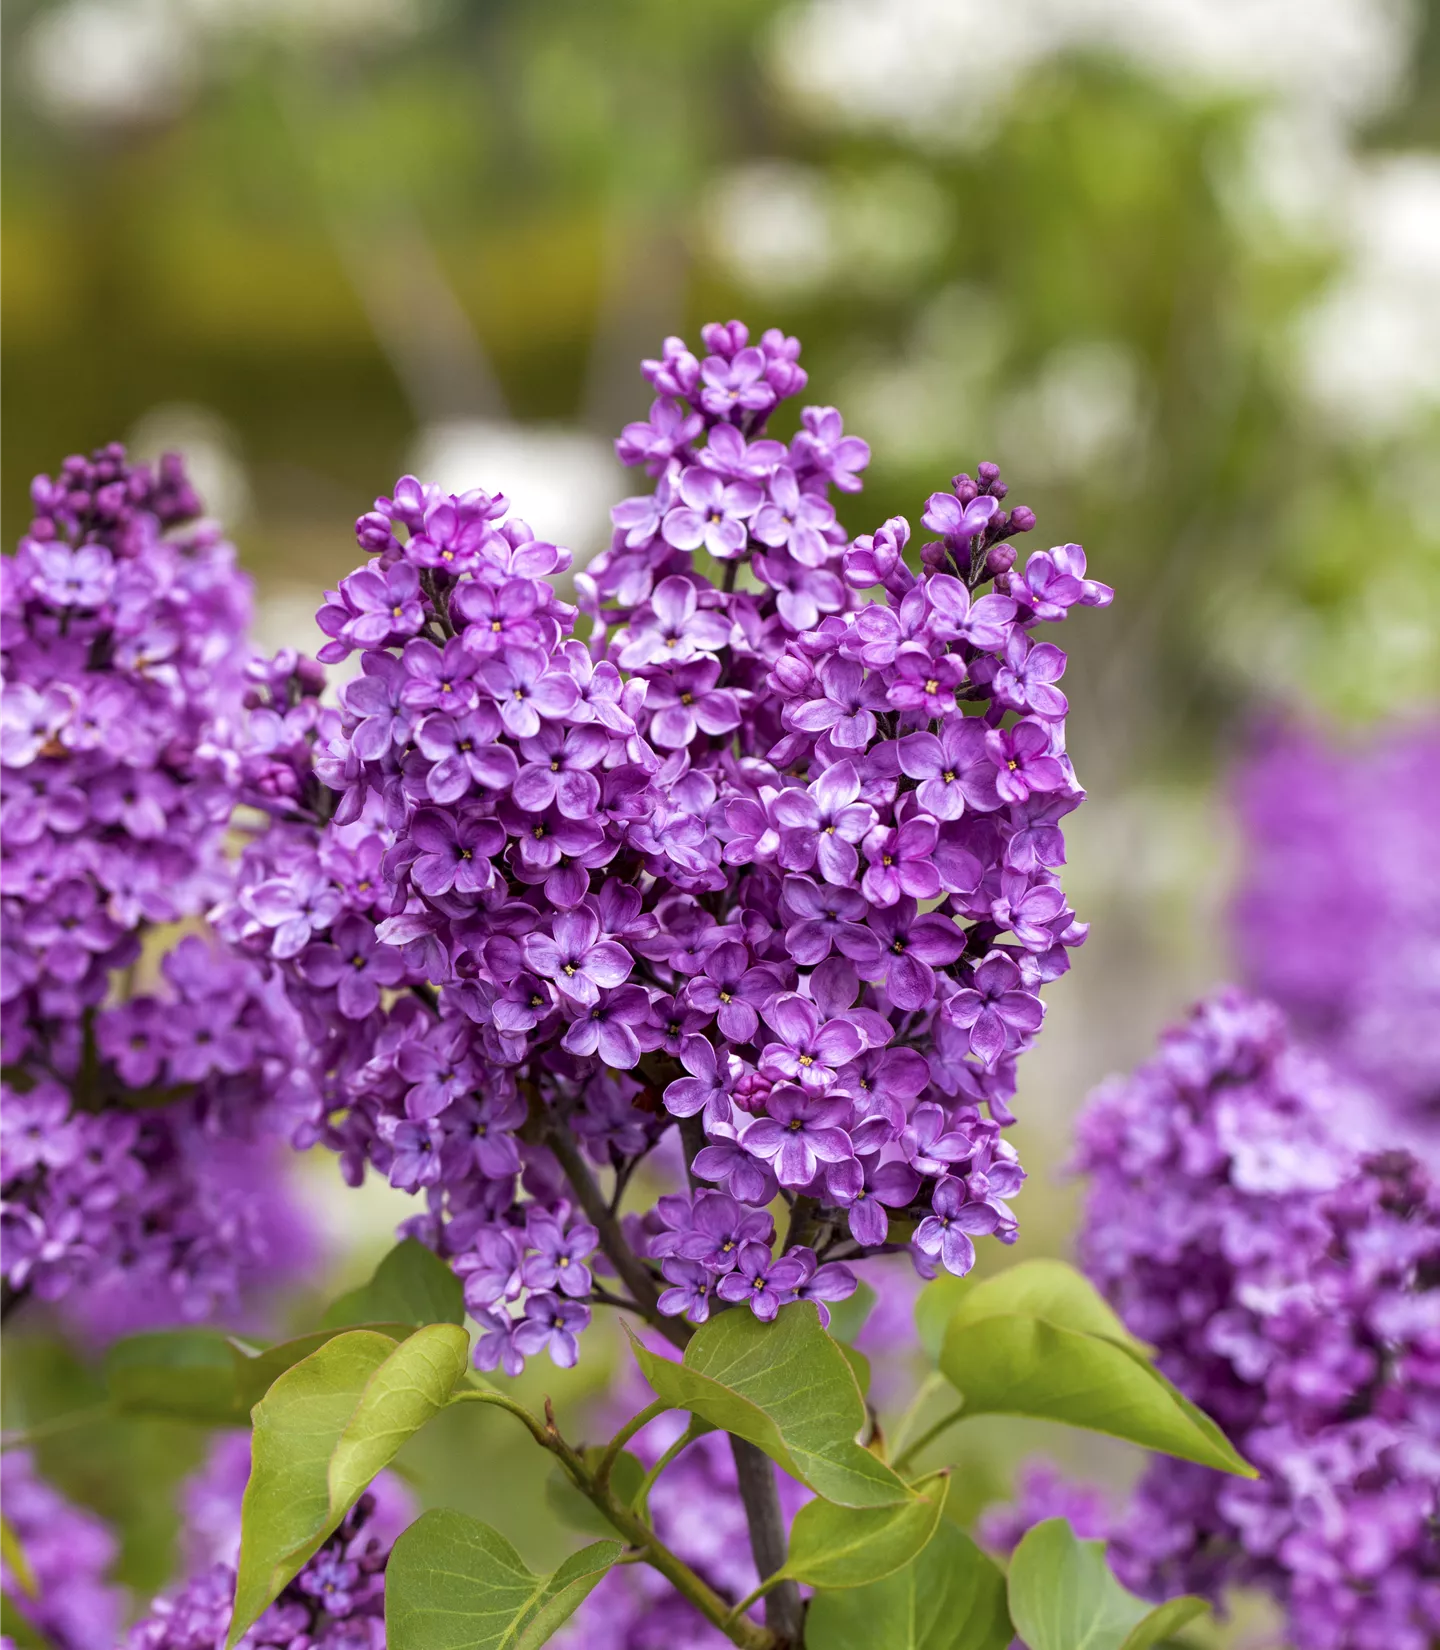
[
  {"x": 337, "y": 1601},
  {"x": 1291, "y": 1285},
  {"x": 1341, "y": 843},
  {"x": 130, "y": 1159},
  {"x": 68, "y": 1552},
  {"x": 763, "y": 857}
]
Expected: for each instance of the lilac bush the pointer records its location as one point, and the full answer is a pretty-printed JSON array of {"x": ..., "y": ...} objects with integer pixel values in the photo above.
[
  {"x": 678, "y": 942},
  {"x": 1290, "y": 1281},
  {"x": 139, "y": 1135},
  {"x": 772, "y": 856}
]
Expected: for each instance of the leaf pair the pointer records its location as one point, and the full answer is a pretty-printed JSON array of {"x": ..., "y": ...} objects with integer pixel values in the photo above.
[
  {"x": 788, "y": 1389},
  {"x": 322, "y": 1432},
  {"x": 1038, "y": 1340}
]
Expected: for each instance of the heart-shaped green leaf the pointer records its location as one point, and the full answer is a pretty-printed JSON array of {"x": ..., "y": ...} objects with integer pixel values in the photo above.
[
  {"x": 788, "y": 1389},
  {"x": 1016, "y": 1364},
  {"x": 322, "y": 1432},
  {"x": 453, "y": 1583},
  {"x": 834, "y": 1546},
  {"x": 1064, "y": 1596},
  {"x": 411, "y": 1285},
  {"x": 951, "y": 1597}
]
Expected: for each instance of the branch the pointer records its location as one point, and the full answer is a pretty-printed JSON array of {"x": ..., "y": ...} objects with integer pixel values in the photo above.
[
  {"x": 769, "y": 1540},
  {"x": 633, "y": 1272}
]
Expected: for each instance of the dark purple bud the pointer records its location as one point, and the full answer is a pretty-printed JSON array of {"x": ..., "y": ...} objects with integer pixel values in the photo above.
[
  {"x": 1021, "y": 520},
  {"x": 999, "y": 559}
]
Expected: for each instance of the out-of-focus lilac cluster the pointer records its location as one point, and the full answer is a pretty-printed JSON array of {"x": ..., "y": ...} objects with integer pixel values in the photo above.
[
  {"x": 1338, "y": 915},
  {"x": 336, "y": 1601},
  {"x": 1042, "y": 1492},
  {"x": 131, "y": 1159},
  {"x": 1291, "y": 1286},
  {"x": 695, "y": 1509},
  {"x": 68, "y": 1552},
  {"x": 767, "y": 856}
]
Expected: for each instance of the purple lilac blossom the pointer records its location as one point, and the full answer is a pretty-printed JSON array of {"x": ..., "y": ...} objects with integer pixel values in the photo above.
[
  {"x": 68, "y": 1551},
  {"x": 337, "y": 1599},
  {"x": 1041, "y": 1493},
  {"x": 674, "y": 873},
  {"x": 141, "y": 1130},
  {"x": 1289, "y": 1280},
  {"x": 1338, "y": 914}
]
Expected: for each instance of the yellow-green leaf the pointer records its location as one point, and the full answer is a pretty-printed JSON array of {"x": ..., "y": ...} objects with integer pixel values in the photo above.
[
  {"x": 835, "y": 1547},
  {"x": 453, "y": 1583}
]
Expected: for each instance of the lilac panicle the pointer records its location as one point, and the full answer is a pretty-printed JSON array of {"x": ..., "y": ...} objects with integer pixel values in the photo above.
[
  {"x": 774, "y": 854},
  {"x": 1290, "y": 1282},
  {"x": 68, "y": 1552},
  {"x": 1338, "y": 914},
  {"x": 136, "y": 1165}
]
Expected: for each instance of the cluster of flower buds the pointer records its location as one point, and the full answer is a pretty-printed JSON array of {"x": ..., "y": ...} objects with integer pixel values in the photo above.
[
  {"x": 771, "y": 857},
  {"x": 130, "y": 1160},
  {"x": 1290, "y": 1284}
]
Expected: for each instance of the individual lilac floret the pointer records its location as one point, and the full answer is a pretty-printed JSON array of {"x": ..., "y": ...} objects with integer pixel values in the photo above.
[
  {"x": 1288, "y": 1282},
  {"x": 68, "y": 1552},
  {"x": 763, "y": 869}
]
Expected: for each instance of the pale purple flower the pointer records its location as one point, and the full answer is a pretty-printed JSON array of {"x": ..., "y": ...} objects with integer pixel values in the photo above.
[
  {"x": 707, "y": 1088},
  {"x": 454, "y": 850},
  {"x": 558, "y": 764},
  {"x": 946, "y": 1234},
  {"x": 686, "y": 701},
  {"x": 691, "y": 1286},
  {"x": 819, "y": 915},
  {"x": 295, "y": 907},
  {"x": 995, "y": 1008},
  {"x": 765, "y": 1283},
  {"x": 439, "y": 678},
  {"x": 1024, "y": 760},
  {"x": 904, "y": 949},
  {"x": 733, "y": 991},
  {"x": 801, "y": 1131},
  {"x": 1026, "y": 681},
  {"x": 676, "y": 630},
  {"x": 712, "y": 513},
  {"x": 865, "y": 1187},
  {"x": 551, "y": 1324},
  {"x": 354, "y": 965},
  {"x": 468, "y": 762},
  {"x": 821, "y": 444},
  {"x": 821, "y": 825},
  {"x": 847, "y": 709},
  {"x": 607, "y": 1027},
  {"x": 794, "y": 520},
  {"x": 575, "y": 957},
  {"x": 901, "y": 860},
  {"x": 526, "y": 689},
  {"x": 558, "y": 1256},
  {"x": 809, "y": 1049}
]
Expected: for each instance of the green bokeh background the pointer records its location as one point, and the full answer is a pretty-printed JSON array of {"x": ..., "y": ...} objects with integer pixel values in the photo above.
[{"x": 335, "y": 227}]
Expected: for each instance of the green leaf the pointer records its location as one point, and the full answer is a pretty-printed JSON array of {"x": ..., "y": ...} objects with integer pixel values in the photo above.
[
  {"x": 204, "y": 1375},
  {"x": 834, "y": 1546},
  {"x": 1064, "y": 1596},
  {"x": 411, "y": 1285},
  {"x": 15, "y": 1560},
  {"x": 788, "y": 1389},
  {"x": 1016, "y": 1364},
  {"x": 952, "y": 1597},
  {"x": 322, "y": 1431},
  {"x": 191, "y": 1374},
  {"x": 847, "y": 1317},
  {"x": 453, "y": 1583},
  {"x": 578, "y": 1512},
  {"x": 860, "y": 1365},
  {"x": 1046, "y": 1289}
]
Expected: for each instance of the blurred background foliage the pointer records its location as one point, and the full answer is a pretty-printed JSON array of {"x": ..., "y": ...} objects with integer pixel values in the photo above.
[{"x": 1174, "y": 263}]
